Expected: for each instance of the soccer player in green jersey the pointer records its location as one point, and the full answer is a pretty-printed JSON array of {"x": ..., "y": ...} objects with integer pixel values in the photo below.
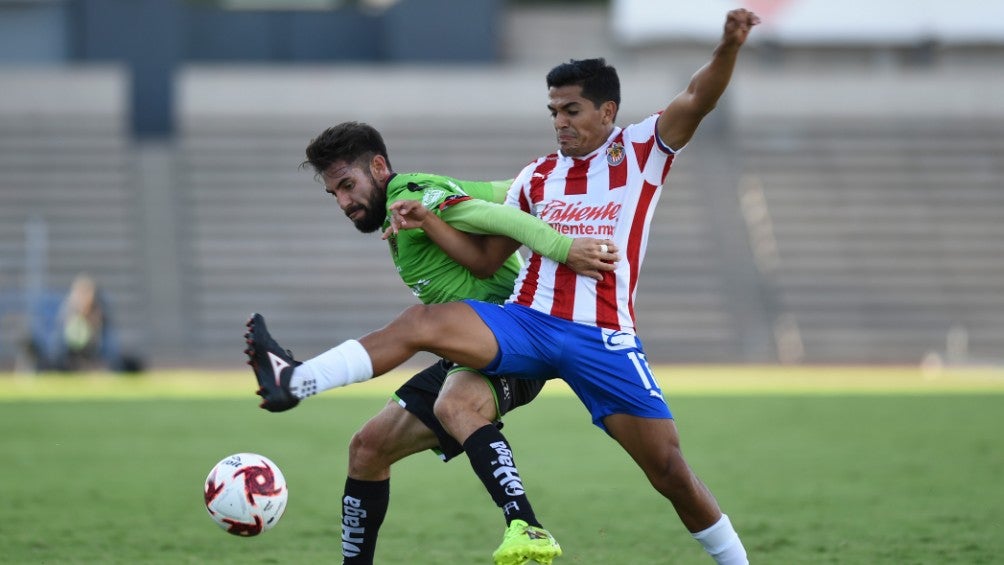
[{"x": 444, "y": 408}]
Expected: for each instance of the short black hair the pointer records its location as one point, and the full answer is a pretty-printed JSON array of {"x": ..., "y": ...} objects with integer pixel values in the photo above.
[
  {"x": 349, "y": 142},
  {"x": 598, "y": 80}
]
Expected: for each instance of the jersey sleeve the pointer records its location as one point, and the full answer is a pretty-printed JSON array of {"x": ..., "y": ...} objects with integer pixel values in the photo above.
[
  {"x": 654, "y": 157},
  {"x": 500, "y": 188},
  {"x": 478, "y": 216},
  {"x": 437, "y": 192}
]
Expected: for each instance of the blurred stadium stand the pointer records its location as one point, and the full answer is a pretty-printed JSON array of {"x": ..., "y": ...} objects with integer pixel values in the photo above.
[
  {"x": 842, "y": 205},
  {"x": 884, "y": 236}
]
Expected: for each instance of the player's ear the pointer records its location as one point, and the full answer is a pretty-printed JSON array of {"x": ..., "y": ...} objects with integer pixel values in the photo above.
[
  {"x": 379, "y": 167},
  {"x": 608, "y": 110}
]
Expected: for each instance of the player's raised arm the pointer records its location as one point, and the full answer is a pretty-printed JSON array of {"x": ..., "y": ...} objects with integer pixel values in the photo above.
[{"x": 680, "y": 119}]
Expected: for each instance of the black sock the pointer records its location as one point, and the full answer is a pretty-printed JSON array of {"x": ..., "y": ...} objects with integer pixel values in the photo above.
[
  {"x": 364, "y": 506},
  {"x": 492, "y": 461}
]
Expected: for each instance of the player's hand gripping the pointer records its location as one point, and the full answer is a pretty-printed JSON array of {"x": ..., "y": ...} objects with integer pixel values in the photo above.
[
  {"x": 590, "y": 257},
  {"x": 406, "y": 214}
]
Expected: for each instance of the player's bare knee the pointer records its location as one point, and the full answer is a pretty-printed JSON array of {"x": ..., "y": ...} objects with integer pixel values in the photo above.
[
  {"x": 421, "y": 323},
  {"x": 670, "y": 474},
  {"x": 366, "y": 452},
  {"x": 449, "y": 410},
  {"x": 416, "y": 317}
]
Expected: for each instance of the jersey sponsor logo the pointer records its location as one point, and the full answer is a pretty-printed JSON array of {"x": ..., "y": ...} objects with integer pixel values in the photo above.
[
  {"x": 616, "y": 340},
  {"x": 615, "y": 154},
  {"x": 578, "y": 219},
  {"x": 432, "y": 196},
  {"x": 557, "y": 211},
  {"x": 278, "y": 364},
  {"x": 584, "y": 230}
]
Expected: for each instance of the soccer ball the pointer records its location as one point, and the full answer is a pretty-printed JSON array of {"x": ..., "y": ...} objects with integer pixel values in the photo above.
[{"x": 246, "y": 494}]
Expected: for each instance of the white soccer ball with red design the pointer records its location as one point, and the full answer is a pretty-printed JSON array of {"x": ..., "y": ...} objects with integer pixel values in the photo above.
[{"x": 246, "y": 494}]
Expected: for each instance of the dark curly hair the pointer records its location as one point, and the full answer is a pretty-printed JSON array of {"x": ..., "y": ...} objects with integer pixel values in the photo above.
[{"x": 349, "y": 142}]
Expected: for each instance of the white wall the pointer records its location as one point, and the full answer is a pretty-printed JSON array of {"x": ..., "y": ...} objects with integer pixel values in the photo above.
[{"x": 848, "y": 22}]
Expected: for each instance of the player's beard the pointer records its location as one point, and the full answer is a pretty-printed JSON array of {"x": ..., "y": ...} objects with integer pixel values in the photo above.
[{"x": 375, "y": 209}]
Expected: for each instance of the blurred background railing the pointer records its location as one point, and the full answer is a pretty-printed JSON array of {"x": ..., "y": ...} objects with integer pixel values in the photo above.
[{"x": 844, "y": 203}]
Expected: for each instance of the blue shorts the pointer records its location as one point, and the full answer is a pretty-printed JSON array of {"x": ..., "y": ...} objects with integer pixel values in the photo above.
[{"x": 607, "y": 369}]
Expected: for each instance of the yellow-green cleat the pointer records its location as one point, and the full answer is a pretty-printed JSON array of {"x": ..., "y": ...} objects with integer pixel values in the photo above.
[{"x": 523, "y": 543}]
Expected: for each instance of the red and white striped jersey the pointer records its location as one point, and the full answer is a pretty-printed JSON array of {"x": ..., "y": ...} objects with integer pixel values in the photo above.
[{"x": 609, "y": 194}]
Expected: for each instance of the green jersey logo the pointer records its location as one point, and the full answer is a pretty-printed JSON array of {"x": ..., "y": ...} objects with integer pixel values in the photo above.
[{"x": 431, "y": 197}]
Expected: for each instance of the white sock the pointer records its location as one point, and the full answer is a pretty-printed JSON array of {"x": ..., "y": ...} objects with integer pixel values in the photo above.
[
  {"x": 341, "y": 365},
  {"x": 722, "y": 542}
]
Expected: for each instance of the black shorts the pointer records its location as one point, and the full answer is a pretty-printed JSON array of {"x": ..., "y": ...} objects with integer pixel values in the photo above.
[{"x": 419, "y": 393}]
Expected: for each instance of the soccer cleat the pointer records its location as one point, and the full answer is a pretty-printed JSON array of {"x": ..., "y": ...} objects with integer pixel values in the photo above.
[
  {"x": 523, "y": 542},
  {"x": 273, "y": 366}
]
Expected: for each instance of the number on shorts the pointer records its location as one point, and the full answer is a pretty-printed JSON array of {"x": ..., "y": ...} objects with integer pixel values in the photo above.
[{"x": 640, "y": 361}]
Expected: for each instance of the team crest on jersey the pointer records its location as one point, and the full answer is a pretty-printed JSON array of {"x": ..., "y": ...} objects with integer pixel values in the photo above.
[
  {"x": 615, "y": 154},
  {"x": 432, "y": 196}
]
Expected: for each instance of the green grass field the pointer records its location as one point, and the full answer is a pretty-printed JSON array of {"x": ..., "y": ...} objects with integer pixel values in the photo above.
[{"x": 837, "y": 465}]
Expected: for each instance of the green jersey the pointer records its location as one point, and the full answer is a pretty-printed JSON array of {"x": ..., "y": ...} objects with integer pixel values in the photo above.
[{"x": 430, "y": 274}]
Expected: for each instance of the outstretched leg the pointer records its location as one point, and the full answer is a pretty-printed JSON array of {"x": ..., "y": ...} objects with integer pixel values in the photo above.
[
  {"x": 452, "y": 331},
  {"x": 654, "y": 444}
]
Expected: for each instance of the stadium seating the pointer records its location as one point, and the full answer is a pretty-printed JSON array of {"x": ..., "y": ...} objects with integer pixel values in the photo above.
[
  {"x": 806, "y": 240},
  {"x": 71, "y": 178},
  {"x": 888, "y": 236}
]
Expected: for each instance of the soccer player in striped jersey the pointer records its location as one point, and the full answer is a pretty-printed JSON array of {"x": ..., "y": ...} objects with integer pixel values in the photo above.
[
  {"x": 603, "y": 180},
  {"x": 352, "y": 162}
]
